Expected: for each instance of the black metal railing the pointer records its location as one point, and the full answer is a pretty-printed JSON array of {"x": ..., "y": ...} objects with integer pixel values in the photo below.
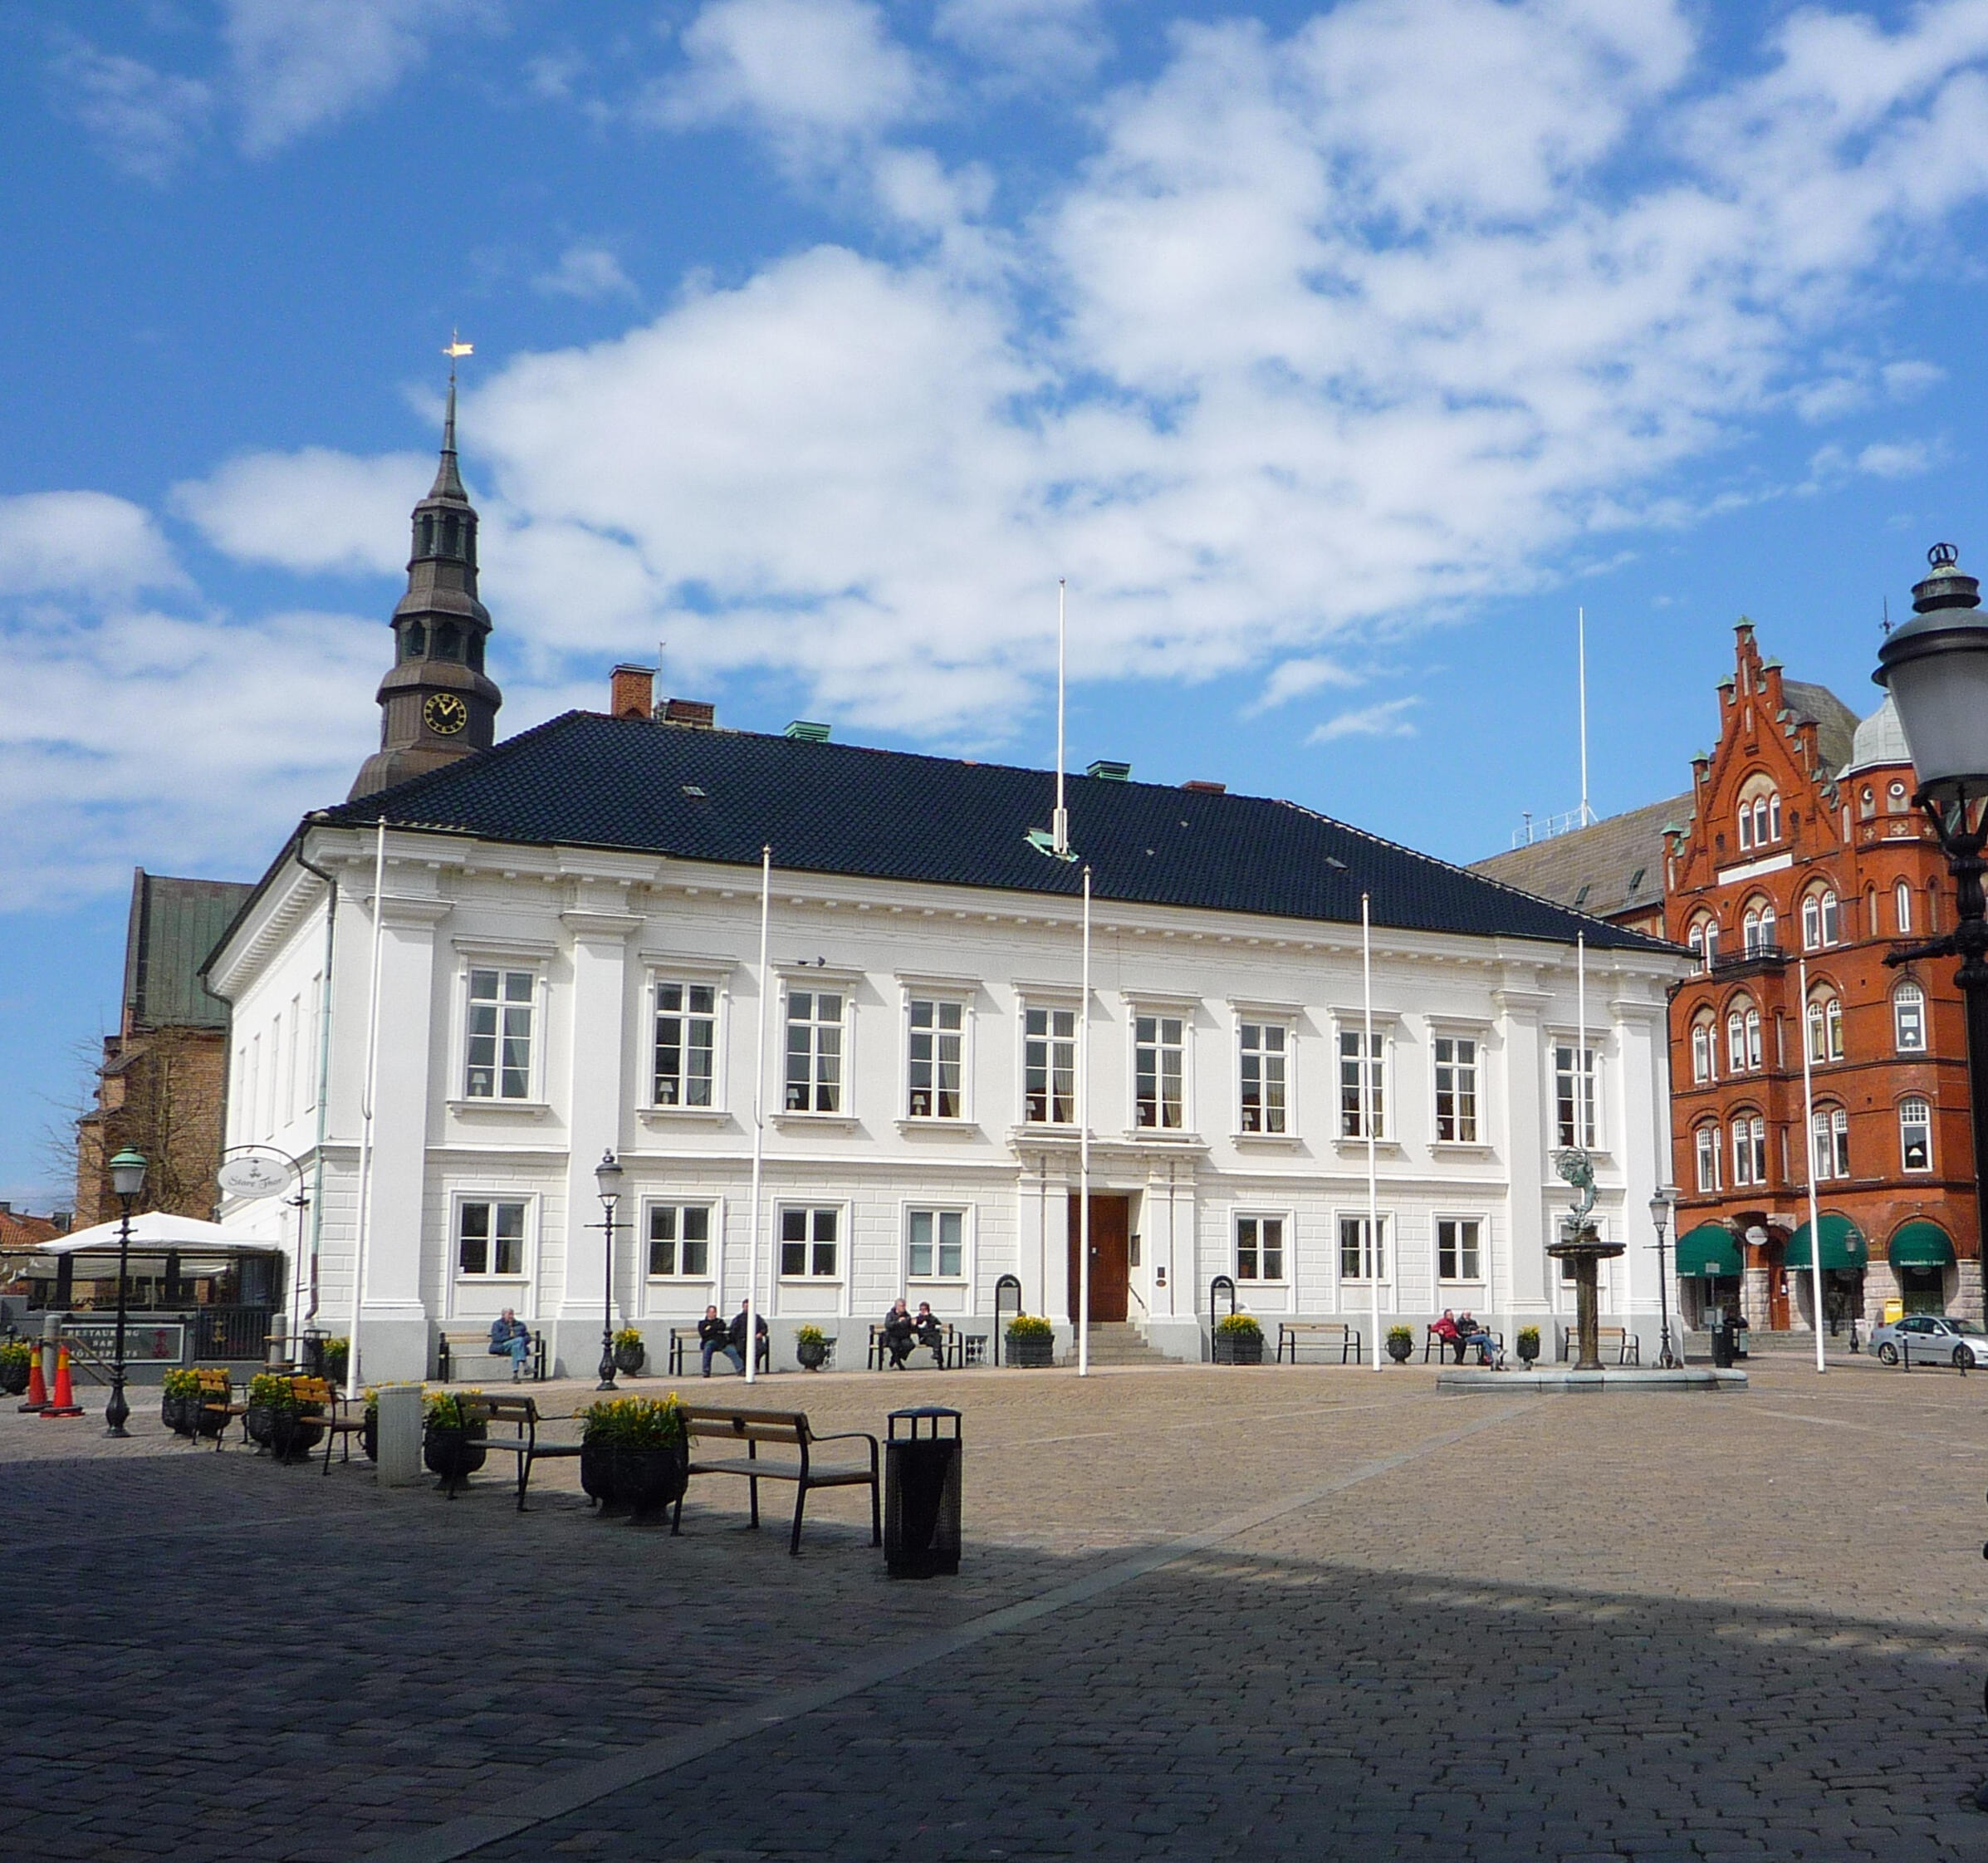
[{"x": 232, "y": 1332}]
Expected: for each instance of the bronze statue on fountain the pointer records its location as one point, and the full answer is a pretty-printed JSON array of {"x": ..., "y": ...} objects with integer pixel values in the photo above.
[{"x": 1585, "y": 1249}]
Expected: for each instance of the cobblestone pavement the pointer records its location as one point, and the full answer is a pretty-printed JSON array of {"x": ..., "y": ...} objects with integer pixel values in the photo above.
[{"x": 1205, "y": 1612}]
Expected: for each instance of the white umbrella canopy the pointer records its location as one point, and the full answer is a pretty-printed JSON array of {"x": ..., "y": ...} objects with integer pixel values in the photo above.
[{"x": 156, "y": 1233}]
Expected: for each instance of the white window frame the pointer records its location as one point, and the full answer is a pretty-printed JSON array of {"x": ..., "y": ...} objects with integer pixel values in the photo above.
[
  {"x": 660, "y": 980},
  {"x": 913, "y": 1206},
  {"x": 1749, "y": 1151},
  {"x": 1161, "y": 1010},
  {"x": 713, "y": 1241},
  {"x": 1386, "y": 1238},
  {"x": 526, "y": 1275},
  {"x": 1823, "y": 1032},
  {"x": 1049, "y": 1005},
  {"x": 1481, "y": 1278},
  {"x": 1282, "y": 1219},
  {"x": 940, "y": 1000},
  {"x": 1386, "y": 1032},
  {"x": 1709, "y": 1148},
  {"x": 1901, "y": 907},
  {"x": 815, "y": 984},
  {"x": 504, "y": 968},
  {"x": 1901, "y": 1000},
  {"x": 1266, "y": 1022},
  {"x": 813, "y": 1209},
  {"x": 1597, "y": 1096},
  {"x": 1829, "y": 1143},
  {"x": 1705, "y": 1049},
  {"x": 1822, "y": 920},
  {"x": 1480, "y": 1076},
  {"x": 1918, "y": 1100}
]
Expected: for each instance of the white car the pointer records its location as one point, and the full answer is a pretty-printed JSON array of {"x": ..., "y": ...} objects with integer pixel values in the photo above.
[{"x": 1931, "y": 1339}]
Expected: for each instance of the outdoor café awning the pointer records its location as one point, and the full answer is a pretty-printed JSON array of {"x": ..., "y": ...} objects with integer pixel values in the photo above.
[
  {"x": 1710, "y": 1249},
  {"x": 155, "y": 1236},
  {"x": 1842, "y": 1244},
  {"x": 1920, "y": 1244}
]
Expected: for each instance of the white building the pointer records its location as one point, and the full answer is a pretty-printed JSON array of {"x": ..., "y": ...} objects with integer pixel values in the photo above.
[{"x": 568, "y": 964}]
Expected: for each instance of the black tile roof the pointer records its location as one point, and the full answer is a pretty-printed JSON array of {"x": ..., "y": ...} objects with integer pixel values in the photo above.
[{"x": 589, "y": 781}]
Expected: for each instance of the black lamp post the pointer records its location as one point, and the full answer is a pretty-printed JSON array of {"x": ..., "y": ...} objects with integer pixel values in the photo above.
[
  {"x": 1936, "y": 667},
  {"x": 1660, "y": 1215},
  {"x": 127, "y": 1179},
  {"x": 607, "y": 1174}
]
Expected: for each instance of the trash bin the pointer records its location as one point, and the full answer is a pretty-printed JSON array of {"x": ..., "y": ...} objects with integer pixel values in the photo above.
[
  {"x": 1724, "y": 1347},
  {"x": 921, "y": 1492}
]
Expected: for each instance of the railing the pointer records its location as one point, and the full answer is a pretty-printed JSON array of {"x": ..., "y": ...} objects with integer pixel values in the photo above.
[
  {"x": 232, "y": 1332},
  {"x": 1770, "y": 950}
]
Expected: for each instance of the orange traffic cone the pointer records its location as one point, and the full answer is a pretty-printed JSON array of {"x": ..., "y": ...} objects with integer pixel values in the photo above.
[
  {"x": 37, "y": 1385},
  {"x": 64, "y": 1403}
]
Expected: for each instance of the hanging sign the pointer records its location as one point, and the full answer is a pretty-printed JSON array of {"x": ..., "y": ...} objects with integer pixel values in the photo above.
[{"x": 253, "y": 1171}]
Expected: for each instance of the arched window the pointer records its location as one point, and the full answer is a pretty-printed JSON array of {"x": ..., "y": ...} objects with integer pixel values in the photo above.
[
  {"x": 1871, "y": 927},
  {"x": 1908, "y": 1019},
  {"x": 1757, "y": 927},
  {"x": 1749, "y": 1151},
  {"x": 1706, "y": 1141},
  {"x": 1902, "y": 903},
  {"x": 1914, "y": 1135},
  {"x": 1829, "y": 1142},
  {"x": 1753, "y": 1038},
  {"x": 1822, "y": 920},
  {"x": 1867, "y": 802},
  {"x": 1736, "y": 1041},
  {"x": 1705, "y": 1049},
  {"x": 1932, "y": 905},
  {"x": 1825, "y": 1026}
]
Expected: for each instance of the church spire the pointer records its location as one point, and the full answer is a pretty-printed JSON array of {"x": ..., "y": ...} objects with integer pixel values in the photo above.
[{"x": 436, "y": 704}]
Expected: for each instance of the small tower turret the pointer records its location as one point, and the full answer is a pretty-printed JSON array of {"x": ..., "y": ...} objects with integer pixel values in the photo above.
[{"x": 435, "y": 704}]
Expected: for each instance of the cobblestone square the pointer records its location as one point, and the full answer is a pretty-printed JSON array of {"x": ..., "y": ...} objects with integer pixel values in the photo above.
[{"x": 1204, "y": 1612}]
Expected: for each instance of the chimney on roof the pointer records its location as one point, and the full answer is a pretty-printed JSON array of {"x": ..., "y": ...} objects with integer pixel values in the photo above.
[
  {"x": 693, "y": 712},
  {"x": 1110, "y": 771},
  {"x": 632, "y": 692},
  {"x": 1202, "y": 788}
]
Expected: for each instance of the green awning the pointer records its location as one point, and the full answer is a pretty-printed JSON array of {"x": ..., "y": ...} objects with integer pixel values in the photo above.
[
  {"x": 1710, "y": 1248},
  {"x": 1842, "y": 1244},
  {"x": 1920, "y": 1244}
]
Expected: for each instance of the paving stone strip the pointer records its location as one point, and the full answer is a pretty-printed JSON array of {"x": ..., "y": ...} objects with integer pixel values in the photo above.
[{"x": 540, "y": 1804}]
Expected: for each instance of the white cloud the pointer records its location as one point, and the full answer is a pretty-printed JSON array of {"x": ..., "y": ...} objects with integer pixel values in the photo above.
[
  {"x": 55, "y": 543},
  {"x": 144, "y": 120},
  {"x": 1055, "y": 43},
  {"x": 298, "y": 65},
  {"x": 1895, "y": 460},
  {"x": 1293, "y": 679},
  {"x": 586, "y": 271},
  {"x": 1904, "y": 380},
  {"x": 311, "y": 510},
  {"x": 811, "y": 74},
  {"x": 1389, "y": 720}
]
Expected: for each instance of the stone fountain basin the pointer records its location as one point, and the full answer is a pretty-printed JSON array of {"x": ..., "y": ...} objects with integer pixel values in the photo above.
[{"x": 1614, "y": 1379}]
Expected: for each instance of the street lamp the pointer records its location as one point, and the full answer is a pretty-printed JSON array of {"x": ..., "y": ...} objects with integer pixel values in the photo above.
[
  {"x": 127, "y": 1180},
  {"x": 1660, "y": 1215},
  {"x": 608, "y": 1173},
  {"x": 1936, "y": 667}
]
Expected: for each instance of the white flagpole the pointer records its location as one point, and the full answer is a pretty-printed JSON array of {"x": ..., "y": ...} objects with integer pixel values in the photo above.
[
  {"x": 1587, "y": 814},
  {"x": 1084, "y": 1146},
  {"x": 759, "y": 1123},
  {"x": 353, "y": 1384},
  {"x": 1583, "y": 1136},
  {"x": 1816, "y": 1269},
  {"x": 1373, "y": 1239},
  {"x": 1059, "y": 821}
]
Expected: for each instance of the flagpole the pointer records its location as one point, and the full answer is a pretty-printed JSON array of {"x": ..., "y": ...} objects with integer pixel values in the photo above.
[
  {"x": 1587, "y": 814},
  {"x": 1815, "y": 1268},
  {"x": 759, "y": 1123},
  {"x": 1367, "y": 1110},
  {"x": 1084, "y": 1145},
  {"x": 1059, "y": 821},
  {"x": 352, "y": 1385}
]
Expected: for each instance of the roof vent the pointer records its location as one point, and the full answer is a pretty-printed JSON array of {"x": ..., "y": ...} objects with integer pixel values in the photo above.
[
  {"x": 1202, "y": 788},
  {"x": 1108, "y": 772},
  {"x": 808, "y": 731},
  {"x": 693, "y": 712}
]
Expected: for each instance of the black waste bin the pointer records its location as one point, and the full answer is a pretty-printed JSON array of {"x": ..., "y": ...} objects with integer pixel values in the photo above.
[
  {"x": 1724, "y": 1343},
  {"x": 921, "y": 1492}
]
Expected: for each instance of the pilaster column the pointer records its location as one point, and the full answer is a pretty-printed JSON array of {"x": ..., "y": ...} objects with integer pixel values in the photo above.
[
  {"x": 1521, "y": 1101},
  {"x": 1644, "y": 1132}
]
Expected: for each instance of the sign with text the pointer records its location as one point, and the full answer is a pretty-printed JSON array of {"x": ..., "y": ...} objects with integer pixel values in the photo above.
[{"x": 143, "y": 1339}]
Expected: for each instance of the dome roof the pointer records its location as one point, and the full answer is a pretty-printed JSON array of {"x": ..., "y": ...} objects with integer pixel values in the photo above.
[{"x": 1880, "y": 739}]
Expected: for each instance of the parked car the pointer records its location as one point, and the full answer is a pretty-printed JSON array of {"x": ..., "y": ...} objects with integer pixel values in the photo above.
[{"x": 1931, "y": 1339}]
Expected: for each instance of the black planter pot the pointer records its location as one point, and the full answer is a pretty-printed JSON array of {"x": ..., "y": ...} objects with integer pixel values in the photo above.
[
  {"x": 13, "y": 1377},
  {"x": 1238, "y": 1348},
  {"x": 1399, "y": 1349},
  {"x": 1034, "y": 1350},
  {"x": 179, "y": 1415},
  {"x": 369, "y": 1435},
  {"x": 455, "y": 1454},
  {"x": 640, "y": 1480},
  {"x": 812, "y": 1353},
  {"x": 207, "y": 1423},
  {"x": 630, "y": 1359},
  {"x": 259, "y": 1423},
  {"x": 1526, "y": 1358},
  {"x": 293, "y": 1434}
]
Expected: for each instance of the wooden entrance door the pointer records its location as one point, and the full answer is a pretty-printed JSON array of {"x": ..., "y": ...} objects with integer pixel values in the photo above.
[{"x": 1110, "y": 1254}]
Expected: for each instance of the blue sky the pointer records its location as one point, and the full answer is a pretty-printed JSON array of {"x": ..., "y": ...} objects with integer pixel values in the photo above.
[{"x": 1335, "y": 354}]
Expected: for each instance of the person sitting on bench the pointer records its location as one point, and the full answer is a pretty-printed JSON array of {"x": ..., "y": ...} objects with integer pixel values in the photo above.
[
  {"x": 510, "y": 1338},
  {"x": 930, "y": 1333},
  {"x": 714, "y": 1335},
  {"x": 900, "y": 1335},
  {"x": 1447, "y": 1334},
  {"x": 1475, "y": 1334},
  {"x": 736, "y": 1333}
]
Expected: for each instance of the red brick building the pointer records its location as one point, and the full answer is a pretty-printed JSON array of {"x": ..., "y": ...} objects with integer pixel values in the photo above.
[{"x": 1798, "y": 844}]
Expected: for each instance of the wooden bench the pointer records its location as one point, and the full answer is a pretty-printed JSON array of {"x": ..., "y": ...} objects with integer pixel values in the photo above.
[
  {"x": 723, "y": 1424},
  {"x": 1628, "y": 1348},
  {"x": 456, "y": 1346},
  {"x": 519, "y": 1417},
  {"x": 955, "y": 1348},
  {"x": 684, "y": 1339},
  {"x": 217, "y": 1399},
  {"x": 1294, "y": 1333}
]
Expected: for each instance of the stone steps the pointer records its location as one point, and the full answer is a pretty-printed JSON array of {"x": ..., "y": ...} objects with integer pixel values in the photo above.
[{"x": 1120, "y": 1342}]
